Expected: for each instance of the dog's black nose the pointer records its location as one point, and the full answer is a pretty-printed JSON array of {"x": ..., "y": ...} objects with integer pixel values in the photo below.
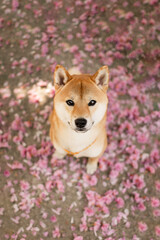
[{"x": 80, "y": 122}]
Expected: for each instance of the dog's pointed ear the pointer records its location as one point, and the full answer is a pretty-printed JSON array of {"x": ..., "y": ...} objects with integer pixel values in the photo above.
[
  {"x": 61, "y": 77},
  {"x": 101, "y": 78}
]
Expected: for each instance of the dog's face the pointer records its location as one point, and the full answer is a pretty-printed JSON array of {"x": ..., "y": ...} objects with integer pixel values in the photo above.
[{"x": 80, "y": 100}]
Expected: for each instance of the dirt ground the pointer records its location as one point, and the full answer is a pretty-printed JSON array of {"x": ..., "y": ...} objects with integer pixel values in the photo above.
[{"x": 45, "y": 198}]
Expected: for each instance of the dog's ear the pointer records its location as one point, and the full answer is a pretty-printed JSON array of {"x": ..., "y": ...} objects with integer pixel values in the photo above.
[
  {"x": 101, "y": 78},
  {"x": 61, "y": 77}
]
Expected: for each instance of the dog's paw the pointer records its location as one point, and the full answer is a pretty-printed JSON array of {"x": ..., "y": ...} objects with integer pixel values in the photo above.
[
  {"x": 91, "y": 168},
  {"x": 58, "y": 155}
]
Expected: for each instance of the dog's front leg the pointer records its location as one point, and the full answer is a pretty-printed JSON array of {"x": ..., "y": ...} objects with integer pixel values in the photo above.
[{"x": 92, "y": 165}]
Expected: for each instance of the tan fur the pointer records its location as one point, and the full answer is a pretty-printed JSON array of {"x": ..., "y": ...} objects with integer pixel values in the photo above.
[{"x": 81, "y": 89}]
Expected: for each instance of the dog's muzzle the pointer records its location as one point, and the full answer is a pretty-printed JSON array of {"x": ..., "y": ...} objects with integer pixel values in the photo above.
[{"x": 80, "y": 122}]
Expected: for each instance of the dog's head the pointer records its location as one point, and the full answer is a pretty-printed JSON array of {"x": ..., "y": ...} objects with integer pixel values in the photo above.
[{"x": 80, "y": 101}]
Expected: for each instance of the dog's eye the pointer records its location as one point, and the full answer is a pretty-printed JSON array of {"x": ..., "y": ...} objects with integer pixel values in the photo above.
[
  {"x": 92, "y": 103},
  {"x": 70, "y": 102}
]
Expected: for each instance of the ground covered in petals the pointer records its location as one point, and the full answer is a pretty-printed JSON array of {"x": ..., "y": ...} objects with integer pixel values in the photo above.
[{"x": 45, "y": 198}]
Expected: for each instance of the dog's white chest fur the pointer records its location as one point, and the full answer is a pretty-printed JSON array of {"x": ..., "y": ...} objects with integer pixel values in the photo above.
[{"x": 86, "y": 144}]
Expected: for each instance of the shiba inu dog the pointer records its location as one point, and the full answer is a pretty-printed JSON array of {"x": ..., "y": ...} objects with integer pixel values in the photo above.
[{"x": 78, "y": 118}]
